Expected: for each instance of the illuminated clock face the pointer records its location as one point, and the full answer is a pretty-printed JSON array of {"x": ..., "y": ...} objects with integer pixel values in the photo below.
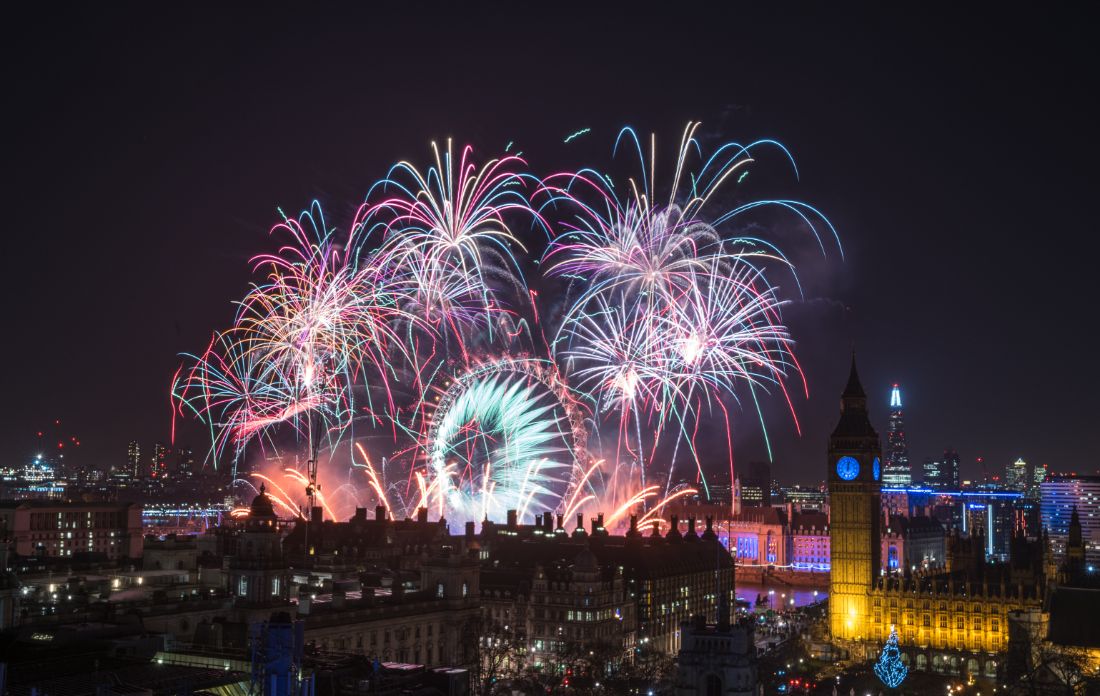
[
  {"x": 847, "y": 468},
  {"x": 875, "y": 468}
]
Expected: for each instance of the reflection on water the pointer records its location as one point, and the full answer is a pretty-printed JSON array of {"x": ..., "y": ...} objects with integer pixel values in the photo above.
[{"x": 781, "y": 595}]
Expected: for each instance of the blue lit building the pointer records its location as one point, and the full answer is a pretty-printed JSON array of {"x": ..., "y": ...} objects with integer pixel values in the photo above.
[{"x": 1058, "y": 497}]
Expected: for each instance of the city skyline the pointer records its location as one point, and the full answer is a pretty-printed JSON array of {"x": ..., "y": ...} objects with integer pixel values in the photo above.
[{"x": 967, "y": 394}]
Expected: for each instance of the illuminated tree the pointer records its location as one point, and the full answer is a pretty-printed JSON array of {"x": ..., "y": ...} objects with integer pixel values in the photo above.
[{"x": 889, "y": 667}]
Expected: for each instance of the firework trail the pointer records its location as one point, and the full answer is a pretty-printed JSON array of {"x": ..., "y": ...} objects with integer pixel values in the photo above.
[{"x": 446, "y": 243}]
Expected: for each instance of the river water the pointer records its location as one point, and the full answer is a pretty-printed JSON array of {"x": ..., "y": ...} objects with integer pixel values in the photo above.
[{"x": 780, "y": 595}]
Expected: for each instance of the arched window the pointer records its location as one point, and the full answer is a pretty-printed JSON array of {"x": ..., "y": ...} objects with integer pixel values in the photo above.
[{"x": 714, "y": 685}]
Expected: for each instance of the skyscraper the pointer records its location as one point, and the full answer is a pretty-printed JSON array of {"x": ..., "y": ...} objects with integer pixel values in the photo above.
[
  {"x": 185, "y": 464},
  {"x": 897, "y": 472},
  {"x": 159, "y": 463},
  {"x": 949, "y": 469},
  {"x": 933, "y": 473},
  {"x": 1016, "y": 475},
  {"x": 1037, "y": 477},
  {"x": 756, "y": 485},
  {"x": 133, "y": 459}
]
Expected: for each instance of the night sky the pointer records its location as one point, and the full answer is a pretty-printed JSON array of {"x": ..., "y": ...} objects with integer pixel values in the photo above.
[{"x": 956, "y": 154}]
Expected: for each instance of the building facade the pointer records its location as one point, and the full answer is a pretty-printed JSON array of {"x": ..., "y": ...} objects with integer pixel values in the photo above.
[
  {"x": 55, "y": 529},
  {"x": 1059, "y": 496}
]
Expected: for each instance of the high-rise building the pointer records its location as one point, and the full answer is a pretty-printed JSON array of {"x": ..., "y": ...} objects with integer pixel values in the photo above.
[
  {"x": 1060, "y": 496},
  {"x": 1038, "y": 475},
  {"x": 855, "y": 500},
  {"x": 933, "y": 473},
  {"x": 1016, "y": 475},
  {"x": 943, "y": 473},
  {"x": 756, "y": 485},
  {"x": 133, "y": 458},
  {"x": 185, "y": 464},
  {"x": 949, "y": 469},
  {"x": 158, "y": 464},
  {"x": 897, "y": 472}
]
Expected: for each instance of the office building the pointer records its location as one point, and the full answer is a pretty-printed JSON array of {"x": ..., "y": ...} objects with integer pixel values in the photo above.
[
  {"x": 755, "y": 485},
  {"x": 897, "y": 471},
  {"x": 55, "y": 529},
  {"x": 1016, "y": 478},
  {"x": 158, "y": 463},
  {"x": 1059, "y": 497}
]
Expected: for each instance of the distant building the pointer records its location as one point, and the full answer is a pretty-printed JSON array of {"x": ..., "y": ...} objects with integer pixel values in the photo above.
[
  {"x": 943, "y": 473},
  {"x": 949, "y": 470},
  {"x": 897, "y": 471},
  {"x": 185, "y": 464},
  {"x": 911, "y": 544},
  {"x": 53, "y": 529},
  {"x": 1060, "y": 495},
  {"x": 158, "y": 463},
  {"x": 133, "y": 459},
  {"x": 756, "y": 485},
  {"x": 1016, "y": 475},
  {"x": 1038, "y": 475},
  {"x": 932, "y": 470}
]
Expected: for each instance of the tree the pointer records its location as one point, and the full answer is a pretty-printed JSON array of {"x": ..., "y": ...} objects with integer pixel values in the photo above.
[
  {"x": 1038, "y": 667},
  {"x": 889, "y": 668},
  {"x": 501, "y": 654}
]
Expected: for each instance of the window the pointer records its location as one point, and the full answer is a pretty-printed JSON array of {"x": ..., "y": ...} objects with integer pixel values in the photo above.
[
  {"x": 439, "y": 590},
  {"x": 977, "y": 624},
  {"x": 960, "y": 623},
  {"x": 994, "y": 625},
  {"x": 943, "y": 622}
]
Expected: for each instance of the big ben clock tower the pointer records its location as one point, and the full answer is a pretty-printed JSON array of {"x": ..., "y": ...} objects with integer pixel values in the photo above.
[{"x": 854, "y": 473}]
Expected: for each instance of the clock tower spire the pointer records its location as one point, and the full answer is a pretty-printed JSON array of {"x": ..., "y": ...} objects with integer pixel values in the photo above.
[{"x": 854, "y": 473}]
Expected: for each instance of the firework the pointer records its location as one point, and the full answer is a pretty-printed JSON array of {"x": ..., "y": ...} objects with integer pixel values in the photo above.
[
  {"x": 670, "y": 315},
  {"x": 446, "y": 240},
  {"x": 364, "y": 342}
]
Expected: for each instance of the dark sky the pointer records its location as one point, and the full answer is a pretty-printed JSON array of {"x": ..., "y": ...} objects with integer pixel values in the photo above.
[{"x": 146, "y": 153}]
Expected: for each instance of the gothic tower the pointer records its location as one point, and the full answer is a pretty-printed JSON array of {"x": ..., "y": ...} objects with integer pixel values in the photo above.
[{"x": 854, "y": 475}]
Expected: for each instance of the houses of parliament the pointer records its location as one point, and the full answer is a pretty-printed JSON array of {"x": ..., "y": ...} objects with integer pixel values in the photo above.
[{"x": 952, "y": 620}]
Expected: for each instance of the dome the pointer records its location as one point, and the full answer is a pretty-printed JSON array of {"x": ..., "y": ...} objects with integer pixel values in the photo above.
[{"x": 261, "y": 505}]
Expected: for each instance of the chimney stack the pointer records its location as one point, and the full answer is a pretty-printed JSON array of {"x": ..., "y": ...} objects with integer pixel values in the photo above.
[
  {"x": 513, "y": 517},
  {"x": 380, "y": 512},
  {"x": 422, "y": 515}
]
